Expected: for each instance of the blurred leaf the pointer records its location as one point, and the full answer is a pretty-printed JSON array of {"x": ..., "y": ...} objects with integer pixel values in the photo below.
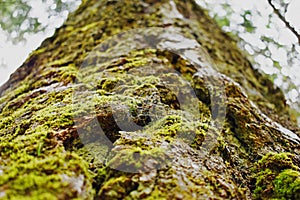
[
  {"x": 16, "y": 19},
  {"x": 247, "y": 24},
  {"x": 222, "y": 21}
]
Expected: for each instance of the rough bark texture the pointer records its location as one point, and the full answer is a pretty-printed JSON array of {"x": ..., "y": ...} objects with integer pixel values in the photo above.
[{"x": 53, "y": 105}]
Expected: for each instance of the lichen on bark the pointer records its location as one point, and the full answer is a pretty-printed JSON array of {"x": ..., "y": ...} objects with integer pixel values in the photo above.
[{"x": 95, "y": 114}]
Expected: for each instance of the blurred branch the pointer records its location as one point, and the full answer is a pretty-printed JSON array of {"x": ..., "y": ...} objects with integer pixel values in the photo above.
[{"x": 282, "y": 18}]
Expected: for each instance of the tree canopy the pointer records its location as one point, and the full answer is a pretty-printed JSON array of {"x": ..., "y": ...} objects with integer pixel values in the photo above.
[{"x": 21, "y": 17}]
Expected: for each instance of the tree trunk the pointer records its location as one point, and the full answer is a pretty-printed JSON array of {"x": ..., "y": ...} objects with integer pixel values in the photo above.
[{"x": 144, "y": 99}]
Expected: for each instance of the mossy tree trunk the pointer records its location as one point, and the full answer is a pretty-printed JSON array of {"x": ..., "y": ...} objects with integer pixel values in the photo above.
[{"x": 144, "y": 99}]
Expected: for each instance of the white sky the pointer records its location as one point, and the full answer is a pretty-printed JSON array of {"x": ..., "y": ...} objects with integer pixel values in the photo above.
[{"x": 14, "y": 55}]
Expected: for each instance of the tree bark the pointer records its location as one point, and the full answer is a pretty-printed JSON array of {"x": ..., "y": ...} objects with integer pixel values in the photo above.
[{"x": 144, "y": 99}]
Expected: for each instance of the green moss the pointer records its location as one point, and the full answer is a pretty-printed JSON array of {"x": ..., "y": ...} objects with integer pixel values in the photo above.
[
  {"x": 287, "y": 185},
  {"x": 264, "y": 185},
  {"x": 277, "y": 161},
  {"x": 68, "y": 74},
  {"x": 116, "y": 188},
  {"x": 35, "y": 165},
  {"x": 276, "y": 177},
  {"x": 42, "y": 155},
  {"x": 133, "y": 159},
  {"x": 28, "y": 176}
]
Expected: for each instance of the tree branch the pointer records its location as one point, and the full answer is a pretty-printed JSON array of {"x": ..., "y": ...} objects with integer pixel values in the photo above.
[{"x": 282, "y": 18}]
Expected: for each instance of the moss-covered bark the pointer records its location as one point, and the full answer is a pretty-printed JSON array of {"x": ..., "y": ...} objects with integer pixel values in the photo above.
[{"x": 84, "y": 121}]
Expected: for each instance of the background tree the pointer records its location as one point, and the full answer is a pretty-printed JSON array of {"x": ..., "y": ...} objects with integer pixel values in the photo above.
[{"x": 150, "y": 87}]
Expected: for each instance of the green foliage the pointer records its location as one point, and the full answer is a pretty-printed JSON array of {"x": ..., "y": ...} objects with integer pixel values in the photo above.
[
  {"x": 18, "y": 17},
  {"x": 222, "y": 21},
  {"x": 14, "y": 14},
  {"x": 247, "y": 24}
]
